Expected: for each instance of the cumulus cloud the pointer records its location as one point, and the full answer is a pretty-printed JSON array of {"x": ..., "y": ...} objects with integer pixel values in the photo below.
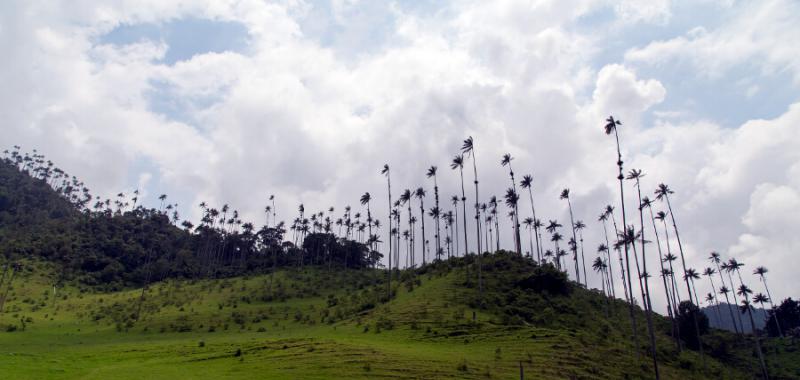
[{"x": 313, "y": 120}]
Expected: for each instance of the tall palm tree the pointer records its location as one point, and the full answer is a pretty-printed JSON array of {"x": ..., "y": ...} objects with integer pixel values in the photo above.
[
  {"x": 761, "y": 271},
  {"x": 726, "y": 266},
  {"x": 493, "y": 204},
  {"x": 647, "y": 203},
  {"x": 602, "y": 250},
  {"x": 745, "y": 292},
  {"x": 603, "y": 218},
  {"x": 454, "y": 201},
  {"x": 612, "y": 125},
  {"x": 565, "y": 195},
  {"x": 527, "y": 183},
  {"x": 385, "y": 171},
  {"x": 669, "y": 258},
  {"x": 552, "y": 228},
  {"x": 599, "y": 267},
  {"x": 636, "y": 176},
  {"x": 579, "y": 226},
  {"x": 630, "y": 237},
  {"x": 528, "y": 222},
  {"x": 618, "y": 247},
  {"x": 405, "y": 199},
  {"x": 458, "y": 163},
  {"x": 420, "y": 194},
  {"x": 710, "y": 272},
  {"x": 512, "y": 200},
  {"x": 435, "y": 214},
  {"x": 468, "y": 148},
  {"x": 432, "y": 173},
  {"x": 662, "y": 193},
  {"x": 506, "y": 161},
  {"x": 724, "y": 291}
]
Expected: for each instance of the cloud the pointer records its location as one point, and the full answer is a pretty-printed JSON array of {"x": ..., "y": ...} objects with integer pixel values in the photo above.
[
  {"x": 313, "y": 121},
  {"x": 756, "y": 35}
]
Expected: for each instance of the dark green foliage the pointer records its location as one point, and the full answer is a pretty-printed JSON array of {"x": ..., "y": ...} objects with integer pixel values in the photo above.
[
  {"x": 546, "y": 278},
  {"x": 788, "y": 313},
  {"x": 686, "y": 312},
  {"x": 45, "y": 214}
]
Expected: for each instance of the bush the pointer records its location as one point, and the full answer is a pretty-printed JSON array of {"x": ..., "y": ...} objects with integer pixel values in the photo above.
[
  {"x": 546, "y": 278},
  {"x": 687, "y": 311}
]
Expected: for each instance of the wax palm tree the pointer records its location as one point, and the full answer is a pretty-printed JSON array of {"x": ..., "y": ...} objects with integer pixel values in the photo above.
[
  {"x": 599, "y": 267},
  {"x": 603, "y": 218},
  {"x": 612, "y": 125},
  {"x": 745, "y": 292},
  {"x": 528, "y": 222},
  {"x": 630, "y": 237},
  {"x": 512, "y": 200},
  {"x": 432, "y": 174},
  {"x": 710, "y": 272},
  {"x": 468, "y": 148},
  {"x": 555, "y": 238},
  {"x": 725, "y": 266},
  {"x": 579, "y": 226},
  {"x": 602, "y": 250},
  {"x": 435, "y": 214},
  {"x": 662, "y": 193},
  {"x": 458, "y": 163},
  {"x": 506, "y": 161},
  {"x": 454, "y": 201},
  {"x": 565, "y": 195},
  {"x": 761, "y": 271},
  {"x": 493, "y": 203},
  {"x": 619, "y": 248},
  {"x": 636, "y": 175},
  {"x": 527, "y": 183},
  {"x": 420, "y": 194},
  {"x": 648, "y": 203},
  {"x": 690, "y": 276},
  {"x": 386, "y": 171},
  {"x": 669, "y": 258},
  {"x": 405, "y": 199}
]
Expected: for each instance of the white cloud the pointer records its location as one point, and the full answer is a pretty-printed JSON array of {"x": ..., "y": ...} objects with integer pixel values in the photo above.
[
  {"x": 758, "y": 34},
  {"x": 302, "y": 120}
]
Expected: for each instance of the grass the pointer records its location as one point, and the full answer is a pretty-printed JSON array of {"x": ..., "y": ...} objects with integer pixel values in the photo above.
[{"x": 313, "y": 323}]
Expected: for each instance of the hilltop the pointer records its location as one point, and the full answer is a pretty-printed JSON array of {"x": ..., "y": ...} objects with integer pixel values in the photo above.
[{"x": 122, "y": 292}]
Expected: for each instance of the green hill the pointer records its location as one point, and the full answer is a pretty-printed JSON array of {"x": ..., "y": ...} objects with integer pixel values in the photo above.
[
  {"x": 81, "y": 301},
  {"x": 316, "y": 323}
]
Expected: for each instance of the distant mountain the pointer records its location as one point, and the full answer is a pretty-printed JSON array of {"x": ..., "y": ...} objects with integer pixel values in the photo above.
[{"x": 721, "y": 318}]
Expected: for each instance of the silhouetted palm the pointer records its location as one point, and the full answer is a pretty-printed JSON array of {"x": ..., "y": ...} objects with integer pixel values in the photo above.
[
  {"x": 565, "y": 195},
  {"x": 761, "y": 271},
  {"x": 744, "y": 292},
  {"x": 432, "y": 174},
  {"x": 612, "y": 125},
  {"x": 528, "y": 222},
  {"x": 458, "y": 163},
  {"x": 420, "y": 194},
  {"x": 527, "y": 183},
  {"x": 506, "y": 161},
  {"x": 385, "y": 171}
]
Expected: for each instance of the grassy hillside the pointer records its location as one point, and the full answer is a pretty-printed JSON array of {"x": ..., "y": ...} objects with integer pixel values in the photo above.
[{"x": 320, "y": 324}]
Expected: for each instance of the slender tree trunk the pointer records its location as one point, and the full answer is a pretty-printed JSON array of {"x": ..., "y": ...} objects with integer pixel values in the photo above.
[
  {"x": 772, "y": 306},
  {"x": 464, "y": 213},
  {"x": 574, "y": 246},
  {"x": 533, "y": 211},
  {"x": 621, "y": 177},
  {"x": 683, "y": 263},
  {"x": 758, "y": 344},
  {"x": 608, "y": 255},
  {"x": 664, "y": 280},
  {"x": 422, "y": 219}
]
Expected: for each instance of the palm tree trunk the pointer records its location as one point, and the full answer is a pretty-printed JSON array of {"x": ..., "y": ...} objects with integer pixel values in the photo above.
[
  {"x": 772, "y": 306},
  {"x": 608, "y": 257},
  {"x": 575, "y": 246},
  {"x": 628, "y": 294},
  {"x": 736, "y": 300},
  {"x": 391, "y": 238},
  {"x": 664, "y": 279},
  {"x": 422, "y": 219},
  {"x": 621, "y": 177},
  {"x": 464, "y": 213},
  {"x": 758, "y": 344},
  {"x": 683, "y": 263},
  {"x": 533, "y": 211}
]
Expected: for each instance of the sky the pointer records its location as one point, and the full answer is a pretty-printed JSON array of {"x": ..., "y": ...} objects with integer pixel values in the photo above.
[{"x": 228, "y": 102}]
